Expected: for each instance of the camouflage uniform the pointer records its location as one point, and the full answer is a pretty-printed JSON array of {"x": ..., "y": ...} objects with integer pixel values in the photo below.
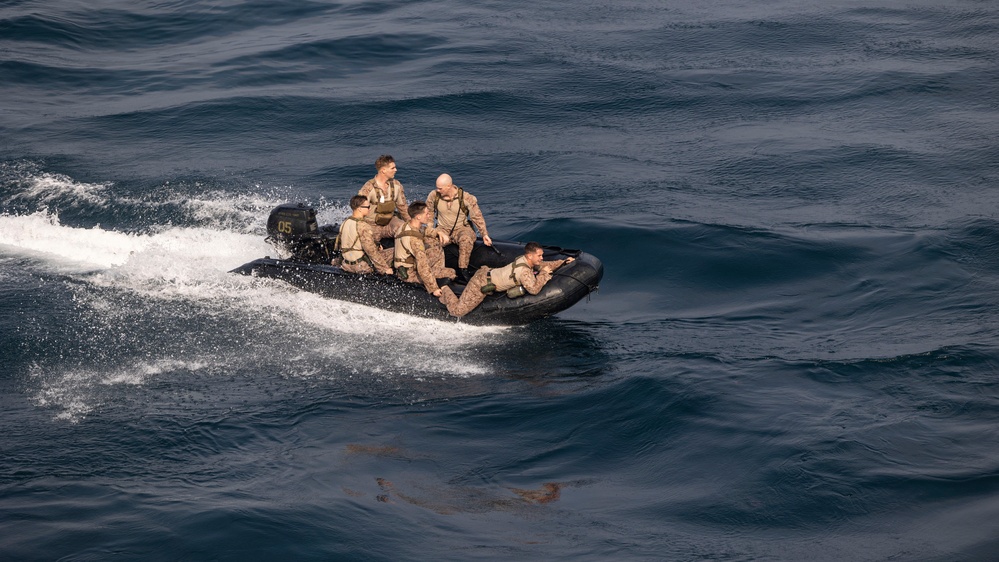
[
  {"x": 473, "y": 296},
  {"x": 390, "y": 204},
  {"x": 355, "y": 238},
  {"x": 453, "y": 218},
  {"x": 418, "y": 262}
]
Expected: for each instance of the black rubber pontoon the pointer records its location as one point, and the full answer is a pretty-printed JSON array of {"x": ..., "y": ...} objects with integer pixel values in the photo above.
[{"x": 308, "y": 269}]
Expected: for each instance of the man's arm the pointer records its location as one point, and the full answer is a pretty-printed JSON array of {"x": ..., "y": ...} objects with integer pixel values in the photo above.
[
  {"x": 475, "y": 215},
  {"x": 534, "y": 283},
  {"x": 400, "y": 202},
  {"x": 366, "y": 189}
]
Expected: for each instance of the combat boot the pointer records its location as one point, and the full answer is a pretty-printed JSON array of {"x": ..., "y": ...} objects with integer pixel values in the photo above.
[{"x": 464, "y": 274}]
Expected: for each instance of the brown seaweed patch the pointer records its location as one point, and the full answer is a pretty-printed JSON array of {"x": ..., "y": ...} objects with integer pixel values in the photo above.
[
  {"x": 374, "y": 450},
  {"x": 467, "y": 499},
  {"x": 351, "y": 493},
  {"x": 389, "y": 488},
  {"x": 549, "y": 492},
  {"x": 386, "y": 486}
]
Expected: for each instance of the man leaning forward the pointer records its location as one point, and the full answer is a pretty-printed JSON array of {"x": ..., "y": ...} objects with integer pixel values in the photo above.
[{"x": 519, "y": 273}]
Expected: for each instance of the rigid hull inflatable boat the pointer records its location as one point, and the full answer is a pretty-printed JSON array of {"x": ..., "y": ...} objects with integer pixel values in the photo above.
[{"x": 308, "y": 249}]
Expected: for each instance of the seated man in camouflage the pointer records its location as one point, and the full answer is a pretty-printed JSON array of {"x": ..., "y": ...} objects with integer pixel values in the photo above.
[
  {"x": 417, "y": 260},
  {"x": 359, "y": 250},
  {"x": 518, "y": 276},
  {"x": 455, "y": 212},
  {"x": 387, "y": 198}
]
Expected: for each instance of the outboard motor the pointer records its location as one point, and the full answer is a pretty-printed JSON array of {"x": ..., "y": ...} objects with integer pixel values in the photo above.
[{"x": 293, "y": 230}]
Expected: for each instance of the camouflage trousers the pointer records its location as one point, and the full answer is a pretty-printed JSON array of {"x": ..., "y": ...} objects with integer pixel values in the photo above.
[
  {"x": 364, "y": 266},
  {"x": 387, "y": 231},
  {"x": 471, "y": 297},
  {"x": 435, "y": 263},
  {"x": 464, "y": 237}
]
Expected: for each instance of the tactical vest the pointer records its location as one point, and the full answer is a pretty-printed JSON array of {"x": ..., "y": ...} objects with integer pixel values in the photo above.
[
  {"x": 404, "y": 256},
  {"x": 384, "y": 207},
  {"x": 350, "y": 242},
  {"x": 452, "y": 220},
  {"x": 505, "y": 277}
]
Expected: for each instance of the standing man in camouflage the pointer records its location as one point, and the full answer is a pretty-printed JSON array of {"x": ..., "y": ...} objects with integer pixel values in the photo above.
[
  {"x": 387, "y": 199},
  {"x": 417, "y": 260},
  {"x": 518, "y": 276},
  {"x": 455, "y": 211},
  {"x": 359, "y": 251}
]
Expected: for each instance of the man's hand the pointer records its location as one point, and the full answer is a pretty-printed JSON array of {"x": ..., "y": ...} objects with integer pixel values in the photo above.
[{"x": 549, "y": 269}]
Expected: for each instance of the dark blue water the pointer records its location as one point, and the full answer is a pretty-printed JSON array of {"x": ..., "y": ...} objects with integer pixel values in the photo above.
[{"x": 794, "y": 353}]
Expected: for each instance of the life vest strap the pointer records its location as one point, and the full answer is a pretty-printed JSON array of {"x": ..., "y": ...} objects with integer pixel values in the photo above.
[
  {"x": 363, "y": 258},
  {"x": 461, "y": 207}
]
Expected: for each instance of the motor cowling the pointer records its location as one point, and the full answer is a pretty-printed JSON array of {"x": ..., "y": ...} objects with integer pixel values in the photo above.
[{"x": 293, "y": 229}]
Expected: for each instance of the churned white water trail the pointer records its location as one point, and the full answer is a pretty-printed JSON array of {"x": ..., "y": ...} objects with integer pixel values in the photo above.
[
  {"x": 192, "y": 263},
  {"x": 160, "y": 305},
  {"x": 66, "y": 246}
]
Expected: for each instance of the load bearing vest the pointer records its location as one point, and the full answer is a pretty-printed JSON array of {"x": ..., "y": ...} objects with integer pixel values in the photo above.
[
  {"x": 349, "y": 242},
  {"x": 404, "y": 250},
  {"x": 385, "y": 208},
  {"x": 505, "y": 278},
  {"x": 462, "y": 208}
]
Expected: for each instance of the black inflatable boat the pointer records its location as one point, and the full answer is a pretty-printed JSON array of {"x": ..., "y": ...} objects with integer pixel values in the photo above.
[{"x": 306, "y": 250}]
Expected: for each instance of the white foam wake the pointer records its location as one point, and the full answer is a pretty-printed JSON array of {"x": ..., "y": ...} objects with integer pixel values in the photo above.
[
  {"x": 178, "y": 277},
  {"x": 154, "y": 304},
  {"x": 84, "y": 248},
  {"x": 23, "y": 185},
  {"x": 190, "y": 263},
  {"x": 46, "y": 188}
]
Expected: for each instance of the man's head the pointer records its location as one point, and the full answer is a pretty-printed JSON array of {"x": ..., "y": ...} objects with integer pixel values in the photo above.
[
  {"x": 534, "y": 254},
  {"x": 360, "y": 202},
  {"x": 385, "y": 165},
  {"x": 445, "y": 187},
  {"x": 419, "y": 210}
]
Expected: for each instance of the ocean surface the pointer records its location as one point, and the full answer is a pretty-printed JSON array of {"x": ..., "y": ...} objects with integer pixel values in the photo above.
[{"x": 793, "y": 355}]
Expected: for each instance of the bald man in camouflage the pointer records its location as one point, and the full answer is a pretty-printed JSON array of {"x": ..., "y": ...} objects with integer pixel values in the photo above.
[{"x": 455, "y": 211}]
